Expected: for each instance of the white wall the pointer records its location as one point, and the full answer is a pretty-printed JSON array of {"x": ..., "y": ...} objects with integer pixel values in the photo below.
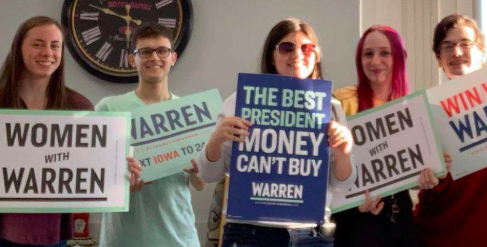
[
  {"x": 227, "y": 38},
  {"x": 386, "y": 12}
]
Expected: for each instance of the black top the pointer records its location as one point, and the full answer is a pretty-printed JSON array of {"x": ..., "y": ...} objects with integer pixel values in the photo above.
[{"x": 388, "y": 229}]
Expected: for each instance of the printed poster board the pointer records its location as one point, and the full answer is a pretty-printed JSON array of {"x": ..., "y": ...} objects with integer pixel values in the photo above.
[
  {"x": 63, "y": 161},
  {"x": 280, "y": 172},
  {"x": 459, "y": 108},
  {"x": 167, "y": 135},
  {"x": 393, "y": 144}
]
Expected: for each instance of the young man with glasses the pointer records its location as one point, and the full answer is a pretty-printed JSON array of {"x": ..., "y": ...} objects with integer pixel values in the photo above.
[
  {"x": 161, "y": 213},
  {"x": 454, "y": 213}
]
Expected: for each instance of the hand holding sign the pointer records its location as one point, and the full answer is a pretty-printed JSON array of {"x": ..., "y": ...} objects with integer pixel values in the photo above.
[
  {"x": 194, "y": 176},
  {"x": 340, "y": 138},
  {"x": 230, "y": 129},
  {"x": 341, "y": 141},
  {"x": 138, "y": 184},
  {"x": 373, "y": 206},
  {"x": 447, "y": 158},
  {"x": 135, "y": 169},
  {"x": 194, "y": 169},
  {"x": 427, "y": 179}
]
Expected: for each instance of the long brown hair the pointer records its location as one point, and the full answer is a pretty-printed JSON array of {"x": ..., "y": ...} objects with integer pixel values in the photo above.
[
  {"x": 278, "y": 32},
  {"x": 13, "y": 69}
]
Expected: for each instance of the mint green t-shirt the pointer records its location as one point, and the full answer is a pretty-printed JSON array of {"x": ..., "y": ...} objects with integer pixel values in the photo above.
[{"x": 160, "y": 214}]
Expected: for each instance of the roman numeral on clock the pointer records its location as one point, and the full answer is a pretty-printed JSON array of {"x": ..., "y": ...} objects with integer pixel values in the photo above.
[
  {"x": 124, "y": 61},
  {"x": 104, "y": 51},
  {"x": 91, "y": 35},
  {"x": 163, "y": 3},
  {"x": 168, "y": 22},
  {"x": 89, "y": 16}
]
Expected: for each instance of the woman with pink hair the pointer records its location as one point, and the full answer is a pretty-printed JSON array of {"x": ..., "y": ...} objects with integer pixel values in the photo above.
[{"x": 381, "y": 70}]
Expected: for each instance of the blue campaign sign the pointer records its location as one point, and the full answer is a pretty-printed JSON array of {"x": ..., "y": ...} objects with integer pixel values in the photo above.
[{"x": 280, "y": 172}]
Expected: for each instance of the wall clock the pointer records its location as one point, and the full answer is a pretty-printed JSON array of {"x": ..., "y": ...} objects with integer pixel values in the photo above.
[{"x": 98, "y": 31}]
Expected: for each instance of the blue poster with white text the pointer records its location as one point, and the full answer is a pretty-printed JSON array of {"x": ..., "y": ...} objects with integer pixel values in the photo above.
[{"x": 280, "y": 172}]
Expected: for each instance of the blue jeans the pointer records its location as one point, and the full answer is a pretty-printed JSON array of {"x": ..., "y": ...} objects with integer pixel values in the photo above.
[
  {"x": 243, "y": 235},
  {"x": 6, "y": 243}
]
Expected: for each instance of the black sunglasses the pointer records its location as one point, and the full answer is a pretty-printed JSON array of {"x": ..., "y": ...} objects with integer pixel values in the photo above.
[{"x": 288, "y": 47}]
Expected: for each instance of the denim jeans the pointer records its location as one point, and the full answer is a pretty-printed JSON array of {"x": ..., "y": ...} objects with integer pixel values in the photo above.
[
  {"x": 6, "y": 243},
  {"x": 243, "y": 235}
]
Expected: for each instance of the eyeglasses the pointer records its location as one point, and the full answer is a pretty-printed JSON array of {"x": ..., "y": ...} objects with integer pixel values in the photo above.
[
  {"x": 146, "y": 52},
  {"x": 447, "y": 46},
  {"x": 289, "y": 47}
]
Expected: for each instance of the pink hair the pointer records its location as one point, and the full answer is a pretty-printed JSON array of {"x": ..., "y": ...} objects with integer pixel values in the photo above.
[{"x": 400, "y": 82}]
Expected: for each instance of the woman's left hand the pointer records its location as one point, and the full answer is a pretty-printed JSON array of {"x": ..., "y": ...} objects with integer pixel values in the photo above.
[
  {"x": 374, "y": 206},
  {"x": 340, "y": 138}
]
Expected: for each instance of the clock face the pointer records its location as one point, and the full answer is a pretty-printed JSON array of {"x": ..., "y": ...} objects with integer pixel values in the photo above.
[{"x": 99, "y": 31}]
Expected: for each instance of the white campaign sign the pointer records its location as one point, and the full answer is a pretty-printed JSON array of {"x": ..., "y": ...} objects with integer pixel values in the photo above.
[
  {"x": 59, "y": 161},
  {"x": 459, "y": 107},
  {"x": 393, "y": 144}
]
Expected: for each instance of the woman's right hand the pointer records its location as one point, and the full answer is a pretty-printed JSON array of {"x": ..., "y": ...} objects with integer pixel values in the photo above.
[
  {"x": 231, "y": 128},
  {"x": 372, "y": 206}
]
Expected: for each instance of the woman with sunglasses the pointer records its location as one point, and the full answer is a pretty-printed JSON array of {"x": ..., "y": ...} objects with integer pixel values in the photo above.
[
  {"x": 381, "y": 70},
  {"x": 291, "y": 49},
  {"x": 32, "y": 77}
]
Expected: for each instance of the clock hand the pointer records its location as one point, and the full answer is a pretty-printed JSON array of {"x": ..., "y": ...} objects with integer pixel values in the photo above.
[
  {"x": 108, "y": 11},
  {"x": 127, "y": 30},
  {"x": 129, "y": 18},
  {"x": 137, "y": 22},
  {"x": 127, "y": 35}
]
